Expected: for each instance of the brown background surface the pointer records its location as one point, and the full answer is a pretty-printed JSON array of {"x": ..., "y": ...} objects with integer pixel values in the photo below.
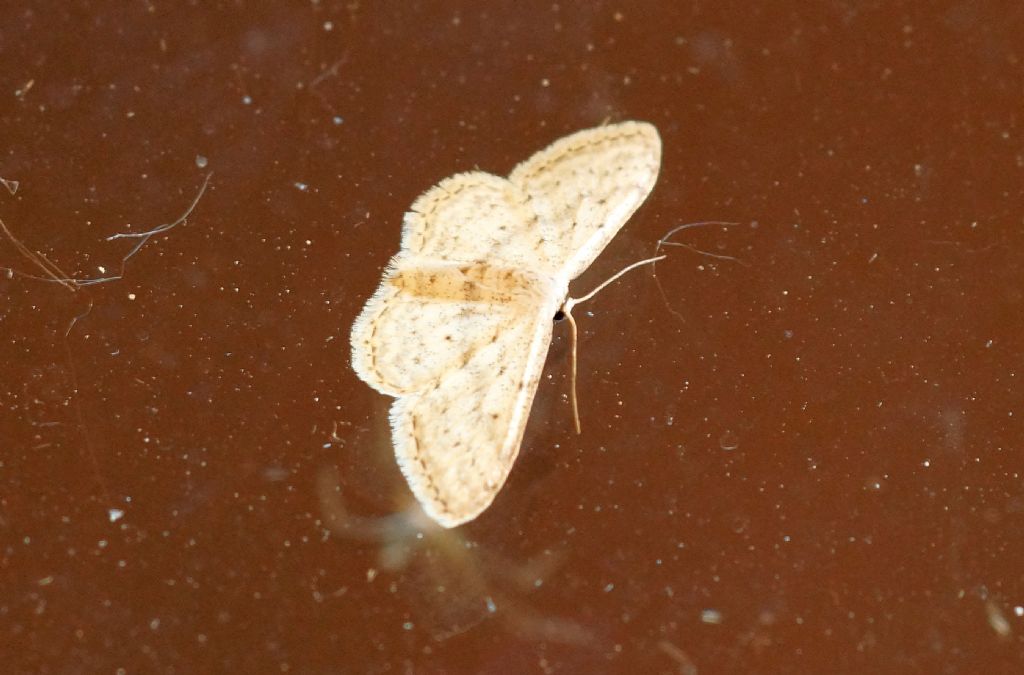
[{"x": 805, "y": 461}]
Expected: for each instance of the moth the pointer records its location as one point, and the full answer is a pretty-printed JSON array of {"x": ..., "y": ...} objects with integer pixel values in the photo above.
[{"x": 459, "y": 328}]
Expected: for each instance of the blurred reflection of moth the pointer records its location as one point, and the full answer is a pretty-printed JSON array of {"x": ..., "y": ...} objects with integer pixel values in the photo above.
[{"x": 452, "y": 583}]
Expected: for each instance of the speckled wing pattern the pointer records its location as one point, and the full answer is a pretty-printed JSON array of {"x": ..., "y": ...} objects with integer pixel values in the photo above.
[
  {"x": 584, "y": 187},
  {"x": 460, "y": 326}
]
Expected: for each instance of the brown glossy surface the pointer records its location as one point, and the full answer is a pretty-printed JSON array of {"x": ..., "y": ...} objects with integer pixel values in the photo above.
[{"x": 812, "y": 463}]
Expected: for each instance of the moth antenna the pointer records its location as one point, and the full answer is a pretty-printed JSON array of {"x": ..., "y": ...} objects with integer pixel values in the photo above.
[
  {"x": 572, "y": 302},
  {"x": 685, "y": 226},
  {"x": 567, "y": 310},
  {"x": 664, "y": 241},
  {"x": 575, "y": 403}
]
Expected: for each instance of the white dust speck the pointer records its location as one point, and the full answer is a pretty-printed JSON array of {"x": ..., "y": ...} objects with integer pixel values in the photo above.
[
  {"x": 996, "y": 620},
  {"x": 712, "y": 616}
]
